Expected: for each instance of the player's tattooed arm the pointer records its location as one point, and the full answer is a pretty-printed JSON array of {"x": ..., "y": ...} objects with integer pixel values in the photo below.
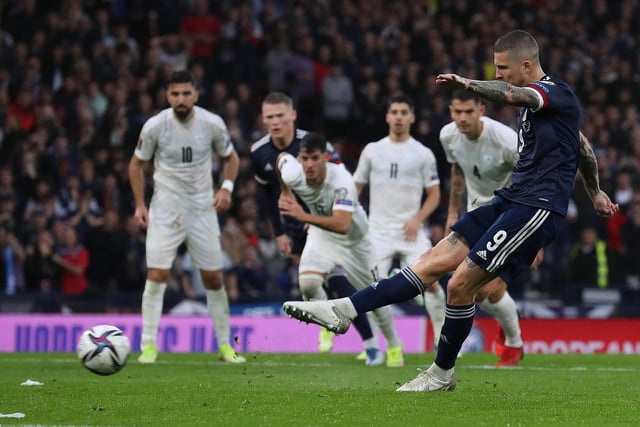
[
  {"x": 588, "y": 166},
  {"x": 504, "y": 93},
  {"x": 497, "y": 91}
]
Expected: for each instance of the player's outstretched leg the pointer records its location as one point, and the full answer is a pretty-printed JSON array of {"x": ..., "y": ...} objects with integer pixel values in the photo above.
[{"x": 336, "y": 315}]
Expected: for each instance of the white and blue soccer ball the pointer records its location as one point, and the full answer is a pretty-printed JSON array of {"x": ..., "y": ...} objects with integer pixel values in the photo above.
[{"x": 103, "y": 349}]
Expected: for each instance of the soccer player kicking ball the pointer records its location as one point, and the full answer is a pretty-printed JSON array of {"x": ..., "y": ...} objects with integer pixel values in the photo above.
[{"x": 501, "y": 239}]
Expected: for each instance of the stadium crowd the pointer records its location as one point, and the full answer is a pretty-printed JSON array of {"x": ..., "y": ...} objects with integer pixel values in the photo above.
[{"x": 79, "y": 78}]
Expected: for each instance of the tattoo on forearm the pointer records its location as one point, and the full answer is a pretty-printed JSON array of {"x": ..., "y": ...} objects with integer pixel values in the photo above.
[
  {"x": 588, "y": 165},
  {"x": 504, "y": 93}
]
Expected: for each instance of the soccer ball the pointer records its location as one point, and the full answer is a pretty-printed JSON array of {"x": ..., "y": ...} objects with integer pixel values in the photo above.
[{"x": 103, "y": 349}]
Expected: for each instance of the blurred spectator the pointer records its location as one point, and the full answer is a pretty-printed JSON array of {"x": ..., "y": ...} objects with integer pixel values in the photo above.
[
  {"x": 13, "y": 256},
  {"x": 589, "y": 263},
  {"x": 73, "y": 259},
  {"x": 106, "y": 245},
  {"x": 134, "y": 269},
  {"x": 41, "y": 274},
  {"x": 337, "y": 102},
  {"x": 201, "y": 28},
  {"x": 279, "y": 54}
]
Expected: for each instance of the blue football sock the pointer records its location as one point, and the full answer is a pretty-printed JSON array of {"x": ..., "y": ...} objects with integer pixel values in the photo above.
[
  {"x": 339, "y": 285},
  {"x": 402, "y": 287},
  {"x": 457, "y": 326}
]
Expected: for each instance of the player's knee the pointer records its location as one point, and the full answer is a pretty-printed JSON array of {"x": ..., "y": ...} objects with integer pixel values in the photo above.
[
  {"x": 433, "y": 288},
  {"x": 460, "y": 291},
  {"x": 310, "y": 283},
  {"x": 152, "y": 288},
  {"x": 482, "y": 295},
  {"x": 335, "y": 272},
  {"x": 158, "y": 275},
  {"x": 211, "y": 280}
]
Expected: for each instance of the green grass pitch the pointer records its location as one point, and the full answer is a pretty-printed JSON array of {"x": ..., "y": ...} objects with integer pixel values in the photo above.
[{"x": 320, "y": 390}]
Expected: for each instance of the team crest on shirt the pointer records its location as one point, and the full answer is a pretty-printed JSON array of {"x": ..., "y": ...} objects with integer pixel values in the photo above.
[{"x": 526, "y": 126}]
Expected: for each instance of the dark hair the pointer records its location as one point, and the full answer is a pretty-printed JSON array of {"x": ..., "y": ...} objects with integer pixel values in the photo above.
[
  {"x": 465, "y": 95},
  {"x": 400, "y": 99},
  {"x": 180, "y": 76},
  {"x": 278, "y": 98},
  {"x": 313, "y": 141}
]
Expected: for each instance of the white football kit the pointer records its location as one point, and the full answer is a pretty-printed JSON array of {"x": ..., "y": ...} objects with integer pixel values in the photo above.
[
  {"x": 325, "y": 249},
  {"x": 182, "y": 204},
  {"x": 397, "y": 173},
  {"x": 487, "y": 162}
]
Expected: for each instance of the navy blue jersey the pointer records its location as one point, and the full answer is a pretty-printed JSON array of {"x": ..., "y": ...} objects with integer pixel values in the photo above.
[
  {"x": 263, "y": 159},
  {"x": 548, "y": 143}
]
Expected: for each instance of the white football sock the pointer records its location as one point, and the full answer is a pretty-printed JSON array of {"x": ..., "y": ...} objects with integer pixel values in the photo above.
[
  {"x": 218, "y": 305},
  {"x": 434, "y": 303},
  {"x": 506, "y": 313},
  {"x": 383, "y": 319},
  {"x": 152, "y": 300},
  {"x": 346, "y": 307}
]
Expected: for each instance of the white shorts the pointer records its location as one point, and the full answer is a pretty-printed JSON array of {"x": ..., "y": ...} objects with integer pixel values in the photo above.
[
  {"x": 388, "y": 247},
  {"x": 322, "y": 255},
  {"x": 199, "y": 231}
]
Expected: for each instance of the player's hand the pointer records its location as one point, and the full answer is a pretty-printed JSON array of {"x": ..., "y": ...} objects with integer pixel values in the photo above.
[
  {"x": 604, "y": 206},
  {"x": 289, "y": 206},
  {"x": 451, "y": 219},
  {"x": 284, "y": 244},
  {"x": 411, "y": 229},
  {"x": 222, "y": 200},
  {"x": 538, "y": 260},
  {"x": 452, "y": 81},
  {"x": 142, "y": 216}
]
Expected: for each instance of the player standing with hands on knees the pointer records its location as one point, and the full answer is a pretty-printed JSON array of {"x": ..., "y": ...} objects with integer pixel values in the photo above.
[
  {"x": 181, "y": 141},
  {"x": 497, "y": 240}
]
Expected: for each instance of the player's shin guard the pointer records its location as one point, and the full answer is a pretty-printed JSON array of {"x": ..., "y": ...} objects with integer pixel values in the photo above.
[
  {"x": 218, "y": 305},
  {"x": 338, "y": 284},
  {"x": 152, "y": 300},
  {"x": 311, "y": 287},
  {"x": 399, "y": 288},
  {"x": 457, "y": 326}
]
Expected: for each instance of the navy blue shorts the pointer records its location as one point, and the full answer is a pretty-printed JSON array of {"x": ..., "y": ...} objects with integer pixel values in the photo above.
[{"x": 504, "y": 237}]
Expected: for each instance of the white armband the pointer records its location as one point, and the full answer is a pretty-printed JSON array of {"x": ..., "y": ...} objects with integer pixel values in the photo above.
[{"x": 227, "y": 184}]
